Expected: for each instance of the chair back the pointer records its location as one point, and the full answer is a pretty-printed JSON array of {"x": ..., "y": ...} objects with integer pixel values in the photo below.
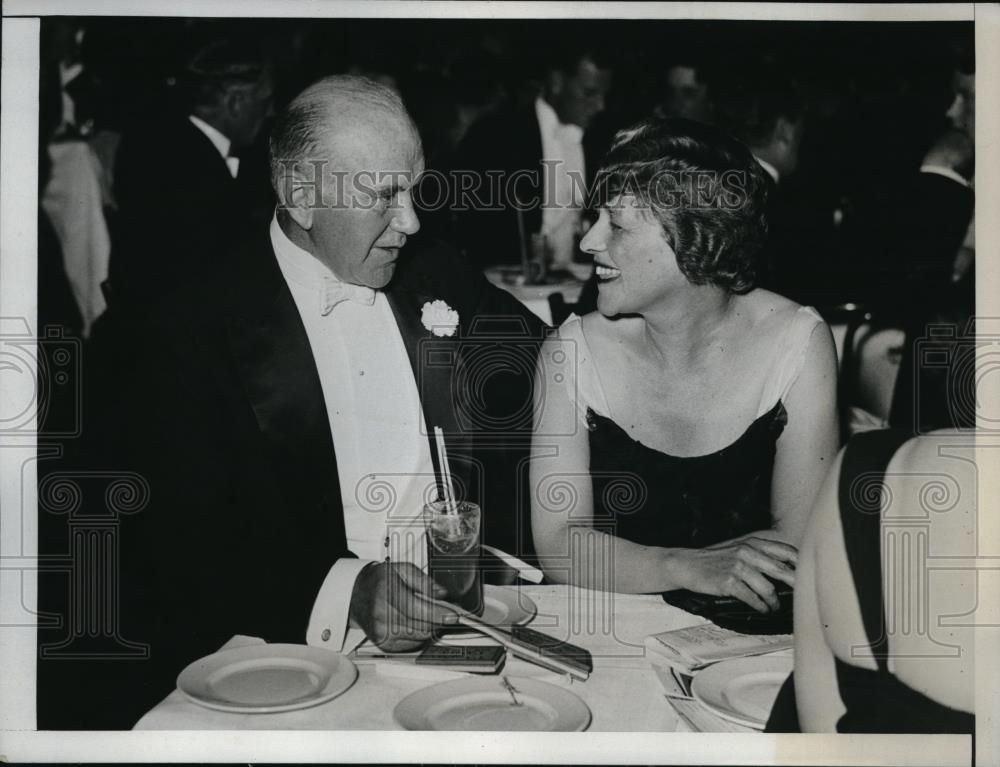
[{"x": 869, "y": 340}]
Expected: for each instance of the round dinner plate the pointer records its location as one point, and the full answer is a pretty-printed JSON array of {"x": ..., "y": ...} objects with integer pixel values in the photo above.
[
  {"x": 267, "y": 679},
  {"x": 506, "y": 607},
  {"x": 502, "y": 607},
  {"x": 483, "y": 703},
  {"x": 742, "y": 690}
]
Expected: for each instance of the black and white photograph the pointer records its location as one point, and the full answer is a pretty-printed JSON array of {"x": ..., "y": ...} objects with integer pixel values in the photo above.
[{"x": 501, "y": 382}]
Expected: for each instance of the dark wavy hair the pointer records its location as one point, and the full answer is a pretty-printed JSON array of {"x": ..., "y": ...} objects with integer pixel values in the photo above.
[{"x": 704, "y": 187}]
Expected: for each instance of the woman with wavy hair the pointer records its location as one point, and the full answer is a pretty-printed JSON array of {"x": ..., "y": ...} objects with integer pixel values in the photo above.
[{"x": 682, "y": 431}]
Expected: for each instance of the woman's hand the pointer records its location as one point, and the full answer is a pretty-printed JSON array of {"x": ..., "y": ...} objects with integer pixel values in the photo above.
[{"x": 738, "y": 568}]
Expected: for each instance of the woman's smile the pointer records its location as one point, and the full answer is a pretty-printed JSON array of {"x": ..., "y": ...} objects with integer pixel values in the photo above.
[{"x": 606, "y": 272}]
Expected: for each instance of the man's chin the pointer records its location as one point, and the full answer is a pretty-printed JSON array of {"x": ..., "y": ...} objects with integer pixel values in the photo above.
[{"x": 382, "y": 277}]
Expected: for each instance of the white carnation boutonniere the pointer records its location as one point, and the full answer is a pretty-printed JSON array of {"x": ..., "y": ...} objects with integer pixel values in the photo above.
[{"x": 439, "y": 318}]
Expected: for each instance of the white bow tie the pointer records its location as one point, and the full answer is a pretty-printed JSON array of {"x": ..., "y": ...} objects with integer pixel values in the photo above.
[{"x": 335, "y": 291}]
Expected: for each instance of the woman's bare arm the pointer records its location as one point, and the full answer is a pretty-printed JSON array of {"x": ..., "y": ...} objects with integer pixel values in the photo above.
[
  {"x": 808, "y": 445},
  {"x": 569, "y": 548}
]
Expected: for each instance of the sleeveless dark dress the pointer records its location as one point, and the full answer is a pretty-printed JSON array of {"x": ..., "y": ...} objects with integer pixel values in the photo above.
[
  {"x": 656, "y": 499},
  {"x": 876, "y": 701}
]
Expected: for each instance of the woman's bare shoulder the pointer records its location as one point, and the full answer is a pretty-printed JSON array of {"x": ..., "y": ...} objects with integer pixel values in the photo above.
[
  {"x": 767, "y": 308},
  {"x": 595, "y": 323}
]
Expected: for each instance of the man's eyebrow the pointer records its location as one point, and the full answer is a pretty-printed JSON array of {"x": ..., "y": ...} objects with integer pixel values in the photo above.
[
  {"x": 389, "y": 189},
  {"x": 396, "y": 182}
]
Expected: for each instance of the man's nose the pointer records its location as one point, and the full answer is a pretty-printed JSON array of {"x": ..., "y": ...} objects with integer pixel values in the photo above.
[
  {"x": 954, "y": 112},
  {"x": 405, "y": 220}
]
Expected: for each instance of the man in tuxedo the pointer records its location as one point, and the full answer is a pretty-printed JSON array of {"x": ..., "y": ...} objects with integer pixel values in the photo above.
[
  {"x": 686, "y": 91},
  {"x": 529, "y": 163},
  {"x": 763, "y": 107},
  {"x": 931, "y": 233},
  {"x": 177, "y": 178},
  {"x": 282, "y": 406},
  {"x": 906, "y": 225}
]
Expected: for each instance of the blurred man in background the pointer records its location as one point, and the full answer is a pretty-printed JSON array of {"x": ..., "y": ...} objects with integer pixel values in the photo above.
[
  {"x": 764, "y": 107},
  {"x": 178, "y": 179},
  {"x": 539, "y": 154},
  {"x": 686, "y": 91},
  {"x": 935, "y": 222},
  {"x": 952, "y": 156}
]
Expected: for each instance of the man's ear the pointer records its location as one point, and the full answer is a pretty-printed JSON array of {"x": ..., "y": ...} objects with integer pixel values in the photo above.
[
  {"x": 786, "y": 131},
  {"x": 298, "y": 197},
  {"x": 235, "y": 102},
  {"x": 555, "y": 81}
]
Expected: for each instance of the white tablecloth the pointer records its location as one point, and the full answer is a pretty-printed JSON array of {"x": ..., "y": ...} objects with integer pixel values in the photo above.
[{"x": 623, "y": 692}]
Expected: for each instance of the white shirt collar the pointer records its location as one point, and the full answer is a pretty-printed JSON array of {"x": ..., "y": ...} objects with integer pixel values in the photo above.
[
  {"x": 217, "y": 137},
  {"x": 549, "y": 124},
  {"x": 68, "y": 72},
  {"x": 296, "y": 264},
  {"x": 771, "y": 170},
  {"x": 947, "y": 173}
]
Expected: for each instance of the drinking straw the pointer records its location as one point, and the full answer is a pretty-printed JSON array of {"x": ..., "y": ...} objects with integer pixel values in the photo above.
[
  {"x": 449, "y": 499},
  {"x": 523, "y": 241}
]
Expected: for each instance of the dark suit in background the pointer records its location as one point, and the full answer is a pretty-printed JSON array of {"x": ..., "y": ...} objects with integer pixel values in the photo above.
[
  {"x": 932, "y": 217},
  {"x": 800, "y": 255},
  {"x": 507, "y": 144},
  {"x": 177, "y": 204}
]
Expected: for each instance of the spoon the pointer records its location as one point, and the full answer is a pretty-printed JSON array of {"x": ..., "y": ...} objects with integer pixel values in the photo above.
[{"x": 511, "y": 690}]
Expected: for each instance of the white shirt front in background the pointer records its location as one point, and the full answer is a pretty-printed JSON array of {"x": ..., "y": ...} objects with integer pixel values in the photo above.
[
  {"x": 769, "y": 169},
  {"x": 383, "y": 456},
  {"x": 220, "y": 141},
  {"x": 562, "y": 205}
]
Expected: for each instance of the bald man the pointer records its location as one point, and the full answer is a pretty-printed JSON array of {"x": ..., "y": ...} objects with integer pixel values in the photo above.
[{"x": 284, "y": 406}]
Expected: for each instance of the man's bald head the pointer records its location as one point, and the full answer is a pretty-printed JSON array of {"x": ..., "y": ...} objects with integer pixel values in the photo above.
[{"x": 333, "y": 121}]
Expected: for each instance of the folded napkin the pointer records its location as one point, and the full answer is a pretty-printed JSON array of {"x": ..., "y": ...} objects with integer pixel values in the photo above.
[
  {"x": 523, "y": 570},
  {"x": 691, "y": 648},
  {"x": 700, "y": 719}
]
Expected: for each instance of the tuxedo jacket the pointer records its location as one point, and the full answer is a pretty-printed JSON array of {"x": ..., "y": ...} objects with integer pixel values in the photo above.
[
  {"x": 904, "y": 242},
  {"x": 177, "y": 208},
  {"x": 798, "y": 259},
  {"x": 226, "y": 419},
  {"x": 508, "y": 142}
]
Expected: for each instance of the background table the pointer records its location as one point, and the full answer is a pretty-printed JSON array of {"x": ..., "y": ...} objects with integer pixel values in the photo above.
[
  {"x": 623, "y": 692},
  {"x": 536, "y": 297}
]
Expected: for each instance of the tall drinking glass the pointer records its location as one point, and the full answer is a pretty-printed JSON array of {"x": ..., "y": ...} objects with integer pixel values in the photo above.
[{"x": 453, "y": 552}]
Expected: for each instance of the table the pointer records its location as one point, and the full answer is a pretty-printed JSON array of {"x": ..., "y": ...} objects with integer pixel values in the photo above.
[
  {"x": 536, "y": 297},
  {"x": 623, "y": 692}
]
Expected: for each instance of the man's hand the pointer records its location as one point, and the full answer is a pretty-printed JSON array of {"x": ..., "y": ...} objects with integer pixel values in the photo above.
[{"x": 386, "y": 603}]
